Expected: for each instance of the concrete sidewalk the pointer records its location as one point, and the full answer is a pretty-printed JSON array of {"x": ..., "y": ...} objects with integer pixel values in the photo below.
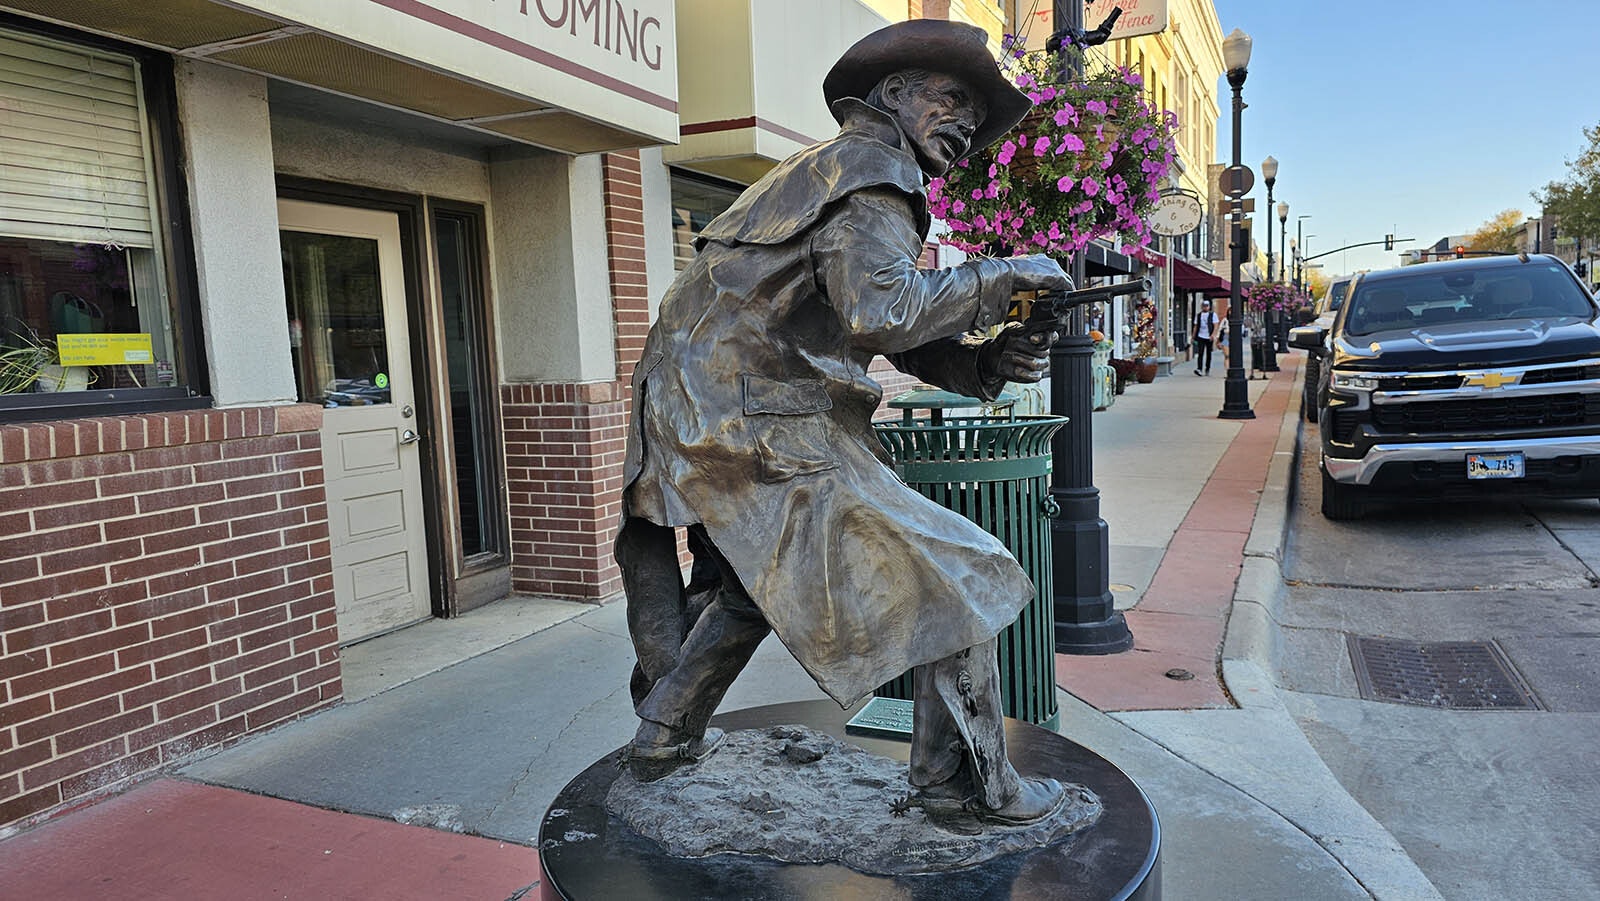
[{"x": 473, "y": 725}]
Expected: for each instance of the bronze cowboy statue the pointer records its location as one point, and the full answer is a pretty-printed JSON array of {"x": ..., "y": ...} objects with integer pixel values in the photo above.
[{"x": 752, "y": 429}]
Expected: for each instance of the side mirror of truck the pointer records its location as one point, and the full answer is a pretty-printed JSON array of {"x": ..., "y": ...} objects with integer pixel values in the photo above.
[{"x": 1308, "y": 337}]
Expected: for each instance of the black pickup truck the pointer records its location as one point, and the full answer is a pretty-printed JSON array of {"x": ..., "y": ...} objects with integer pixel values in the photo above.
[{"x": 1457, "y": 380}]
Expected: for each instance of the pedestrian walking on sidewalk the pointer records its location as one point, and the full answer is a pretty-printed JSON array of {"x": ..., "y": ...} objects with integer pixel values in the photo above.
[{"x": 1204, "y": 331}]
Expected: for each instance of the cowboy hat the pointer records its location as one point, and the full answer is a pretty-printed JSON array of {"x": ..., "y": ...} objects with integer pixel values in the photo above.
[{"x": 954, "y": 48}]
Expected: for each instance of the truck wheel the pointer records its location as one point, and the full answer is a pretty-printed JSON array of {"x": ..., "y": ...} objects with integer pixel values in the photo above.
[
  {"x": 1341, "y": 502},
  {"x": 1308, "y": 393}
]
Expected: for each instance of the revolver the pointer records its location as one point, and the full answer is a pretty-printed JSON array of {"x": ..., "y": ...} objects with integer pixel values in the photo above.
[{"x": 1057, "y": 306}]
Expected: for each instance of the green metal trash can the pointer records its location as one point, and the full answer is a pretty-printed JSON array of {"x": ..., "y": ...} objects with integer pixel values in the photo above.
[{"x": 994, "y": 470}]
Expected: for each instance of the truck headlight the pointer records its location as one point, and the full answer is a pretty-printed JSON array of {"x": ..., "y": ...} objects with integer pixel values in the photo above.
[{"x": 1352, "y": 382}]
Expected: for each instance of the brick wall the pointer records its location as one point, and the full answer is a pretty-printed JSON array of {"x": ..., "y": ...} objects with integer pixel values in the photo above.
[
  {"x": 565, "y": 442},
  {"x": 564, "y": 450},
  {"x": 165, "y": 587}
]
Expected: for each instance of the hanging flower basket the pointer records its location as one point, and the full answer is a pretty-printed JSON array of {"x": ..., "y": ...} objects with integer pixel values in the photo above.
[
  {"x": 1273, "y": 297},
  {"x": 1087, "y": 162}
]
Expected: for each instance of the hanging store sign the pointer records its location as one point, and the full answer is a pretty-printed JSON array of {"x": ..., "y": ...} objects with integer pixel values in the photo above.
[
  {"x": 1176, "y": 213},
  {"x": 1138, "y": 16}
]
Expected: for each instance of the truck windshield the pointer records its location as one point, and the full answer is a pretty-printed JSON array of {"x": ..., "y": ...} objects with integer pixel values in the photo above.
[
  {"x": 1429, "y": 300},
  {"x": 1336, "y": 294}
]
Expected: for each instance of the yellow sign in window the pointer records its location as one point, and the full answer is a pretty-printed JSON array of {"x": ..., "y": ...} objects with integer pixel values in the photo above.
[{"x": 104, "y": 350}]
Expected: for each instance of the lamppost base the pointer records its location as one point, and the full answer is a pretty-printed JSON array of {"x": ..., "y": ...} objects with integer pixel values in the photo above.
[
  {"x": 1226, "y": 413},
  {"x": 1110, "y": 636},
  {"x": 1086, "y": 617}
]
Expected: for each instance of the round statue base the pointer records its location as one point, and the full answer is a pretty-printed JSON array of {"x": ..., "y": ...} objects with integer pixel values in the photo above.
[{"x": 588, "y": 855}]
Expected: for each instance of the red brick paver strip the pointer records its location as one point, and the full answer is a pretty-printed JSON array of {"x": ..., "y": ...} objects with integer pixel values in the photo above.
[
  {"x": 1179, "y": 622},
  {"x": 171, "y": 839}
]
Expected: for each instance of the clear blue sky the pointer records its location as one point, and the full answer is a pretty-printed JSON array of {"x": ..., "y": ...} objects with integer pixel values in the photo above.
[{"x": 1419, "y": 118}]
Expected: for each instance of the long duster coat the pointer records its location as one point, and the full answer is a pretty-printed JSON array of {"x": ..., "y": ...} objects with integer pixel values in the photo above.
[{"x": 752, "y": 412}]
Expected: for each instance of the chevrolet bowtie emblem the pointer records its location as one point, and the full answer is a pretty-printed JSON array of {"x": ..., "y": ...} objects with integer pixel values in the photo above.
[{"x": 1491, "y": 379}]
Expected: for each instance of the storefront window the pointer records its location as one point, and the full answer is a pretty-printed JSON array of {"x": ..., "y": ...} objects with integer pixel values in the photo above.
[
  {"x": 85, "y": 301},
  {"x": 695, "y": 202}
]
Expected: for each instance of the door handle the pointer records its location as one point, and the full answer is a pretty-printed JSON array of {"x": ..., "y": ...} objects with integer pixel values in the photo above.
[{"x": 409, "y": 436}]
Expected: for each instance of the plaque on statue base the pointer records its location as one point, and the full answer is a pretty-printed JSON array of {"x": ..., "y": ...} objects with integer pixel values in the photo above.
[{"x": 1110, "y": 850}]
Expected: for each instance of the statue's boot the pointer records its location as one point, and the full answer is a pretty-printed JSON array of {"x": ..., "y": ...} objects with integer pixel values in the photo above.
[
  {"x": 673, "y": 730},
  {"x": 649, "y": 762},
  {"x": 1034, "y": 801},
  {"x": 959, "y": 767},
  {"x": 963, "y": 812}
]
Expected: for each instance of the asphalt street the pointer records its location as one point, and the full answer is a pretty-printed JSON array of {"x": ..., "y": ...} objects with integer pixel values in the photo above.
[{"x": 1490, "y": 804}]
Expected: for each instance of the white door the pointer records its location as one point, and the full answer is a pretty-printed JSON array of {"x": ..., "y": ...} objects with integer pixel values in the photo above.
[{"x": 347, "y": 325}]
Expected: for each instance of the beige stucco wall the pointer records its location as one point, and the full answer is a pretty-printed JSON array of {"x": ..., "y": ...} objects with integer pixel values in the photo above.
[
  {"x": 551, "y": 281},
  {"x": 749, "y": 59},
  {"x": 227, "y": 139},
  {"x": 796, "y": 45},
  {"x": 376, "y": 155},
  {"x": 657, "y": 197}
]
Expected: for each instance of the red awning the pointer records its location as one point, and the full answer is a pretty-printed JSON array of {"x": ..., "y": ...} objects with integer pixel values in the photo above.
[{"x": 1188, "y": 277}]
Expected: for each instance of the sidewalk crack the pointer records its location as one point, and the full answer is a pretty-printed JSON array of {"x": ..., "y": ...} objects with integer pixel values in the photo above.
[{"x": 538, "y": 755}]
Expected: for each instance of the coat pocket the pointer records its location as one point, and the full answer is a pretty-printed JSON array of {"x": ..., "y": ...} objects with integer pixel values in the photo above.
[{"x": 791, "y": 439}]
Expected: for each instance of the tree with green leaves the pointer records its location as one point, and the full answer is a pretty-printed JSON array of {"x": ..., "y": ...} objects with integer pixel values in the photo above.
[
  {"x": 1575, "y": 200},
  {"x": 1499, "y": 234}
]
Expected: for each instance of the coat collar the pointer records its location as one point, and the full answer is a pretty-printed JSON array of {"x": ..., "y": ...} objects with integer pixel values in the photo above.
[{"x": 857, "y": 117}]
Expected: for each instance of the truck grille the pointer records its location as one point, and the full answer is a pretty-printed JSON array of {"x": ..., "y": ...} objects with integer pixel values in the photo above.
[
  {"x": 1498, "y": 414},
  {"x": 1550, "y": 375},
  {"x": 1560, "y": 374},
  {"x": 1421, "y": 382}
]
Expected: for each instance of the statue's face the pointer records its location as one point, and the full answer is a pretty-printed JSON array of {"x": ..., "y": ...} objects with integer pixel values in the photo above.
[{"x": 939, "y": 117}]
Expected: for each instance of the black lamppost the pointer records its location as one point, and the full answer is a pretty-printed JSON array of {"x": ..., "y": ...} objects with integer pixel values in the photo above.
[
  {"x": 1300, "y": 245},
  {"x": 1235, "y": 387},
  {"x": 1269, "y": 324},
  {"x": 1086, "y": 617},
  {"x": 1282, "y": 316}
]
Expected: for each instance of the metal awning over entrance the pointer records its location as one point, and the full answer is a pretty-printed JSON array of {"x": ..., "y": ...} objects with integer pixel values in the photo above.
[{"x": 562, "y": 74}]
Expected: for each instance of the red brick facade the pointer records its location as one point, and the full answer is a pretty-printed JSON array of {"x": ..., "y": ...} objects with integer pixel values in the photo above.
[
  {"x": 165, "y": 587},
  {"x": 564, "y": 448},
  {"x": 565, "y": 442}
]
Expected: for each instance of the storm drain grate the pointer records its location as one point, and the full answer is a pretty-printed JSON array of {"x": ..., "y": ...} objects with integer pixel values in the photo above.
[{"x": 1458, "y": 675}]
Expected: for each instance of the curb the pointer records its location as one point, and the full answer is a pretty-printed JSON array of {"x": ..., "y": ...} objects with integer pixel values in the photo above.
[{"x": 1318, "y": 804}]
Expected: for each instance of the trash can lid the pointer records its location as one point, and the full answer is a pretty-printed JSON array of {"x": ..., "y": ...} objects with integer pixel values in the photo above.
[{"x": 939, "y": 399}]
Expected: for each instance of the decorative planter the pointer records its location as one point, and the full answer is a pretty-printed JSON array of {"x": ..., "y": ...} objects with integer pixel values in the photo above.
[{"x": 1146, "y": 373}]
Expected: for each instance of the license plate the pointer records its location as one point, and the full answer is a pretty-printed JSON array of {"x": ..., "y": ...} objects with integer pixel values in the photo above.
[{"x": 1496, "y": 466}]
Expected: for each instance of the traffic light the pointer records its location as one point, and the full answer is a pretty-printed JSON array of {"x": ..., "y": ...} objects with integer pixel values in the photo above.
[
  {"x": 1581, "y": 268},
  {"x": 1388, "y": 242}
]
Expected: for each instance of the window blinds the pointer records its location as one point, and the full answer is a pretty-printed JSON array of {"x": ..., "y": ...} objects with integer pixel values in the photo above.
[{"x": 73, "y": 151}]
